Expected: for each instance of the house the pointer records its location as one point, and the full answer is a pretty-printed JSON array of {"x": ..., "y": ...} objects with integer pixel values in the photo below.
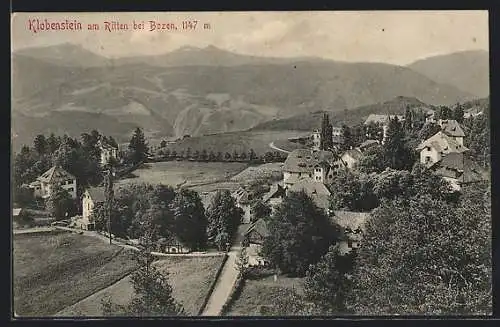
[
  {"x": 336, "y": 137},
  {"x": 430, "y": 116},
  {"x": 437, "y": 146},
  {"x": 254, "y": 237},
  {"x": 108, "y": 152},
  {"x": 54, "y": 176},
  {"x": 350, "y": 158},
  {"x": 274, "y": 197},
  {"x": 452, "y": 128},
  {"x": 382, "y": 120},
  {"x": 319, "y": 193},
  {"x": 244, "y": 201},
  {"x": 352, "y": 226},
  {"x": 318, "y": 165},
  {"x": 90, "y": 198},
  {"x": 368, "y": 144},
  {"x": 458, "y": 169}
]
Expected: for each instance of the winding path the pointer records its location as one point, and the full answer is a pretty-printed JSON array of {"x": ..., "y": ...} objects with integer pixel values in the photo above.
[{"x": 274, "y": 147}]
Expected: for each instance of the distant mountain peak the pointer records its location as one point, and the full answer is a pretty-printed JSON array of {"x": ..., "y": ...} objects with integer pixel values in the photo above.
[{"x": 188, "y": 48}]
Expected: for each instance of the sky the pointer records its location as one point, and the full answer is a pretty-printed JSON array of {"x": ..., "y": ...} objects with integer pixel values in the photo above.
[{"x": 396, "y": 37}]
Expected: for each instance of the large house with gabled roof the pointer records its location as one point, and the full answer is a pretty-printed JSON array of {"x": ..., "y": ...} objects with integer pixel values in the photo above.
[
  {"x": 56, "y": 175},
  {"x": 437, "y": 147},
  {"x": 92, "y": 197}
]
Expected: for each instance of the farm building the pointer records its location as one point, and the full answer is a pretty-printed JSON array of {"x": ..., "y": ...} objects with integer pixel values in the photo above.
[
  {"x": 317, "y": 191},
  {"x": 244, "y": 201}
]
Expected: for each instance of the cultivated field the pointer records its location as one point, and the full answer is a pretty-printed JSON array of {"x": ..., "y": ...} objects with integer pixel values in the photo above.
[
  {"x": 190, "y": 173},
  {"x": 261, "y": 292},
  {"x": 190, "y": 277},
  {"x": 53, "y": 271}
]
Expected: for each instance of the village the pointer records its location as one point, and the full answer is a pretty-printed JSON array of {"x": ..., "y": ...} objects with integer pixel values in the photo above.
[{"x": 311, "y": 169}]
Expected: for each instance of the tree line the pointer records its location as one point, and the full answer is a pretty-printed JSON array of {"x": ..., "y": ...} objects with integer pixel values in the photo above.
[{"x": 165, "y": 153}]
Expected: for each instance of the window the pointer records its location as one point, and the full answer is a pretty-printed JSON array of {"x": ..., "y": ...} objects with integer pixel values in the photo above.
[
  {"x": 71, "y": 189},
  {"x": 310, "y": 175},
  {"x": 300, "y": 174},
  {"x": 427, "y": 158},
  {"x": 428, "y": 148},
  {"x": 349, "y": 244}
]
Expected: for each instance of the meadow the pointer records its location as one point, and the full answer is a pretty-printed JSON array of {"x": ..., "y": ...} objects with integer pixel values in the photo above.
[
  {"x": 53, "y": 271},
  {"x": 190, "y": 277}
]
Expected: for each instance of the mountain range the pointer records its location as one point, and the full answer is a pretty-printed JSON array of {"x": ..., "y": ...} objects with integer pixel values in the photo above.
[{"x": 198, "y": 91}]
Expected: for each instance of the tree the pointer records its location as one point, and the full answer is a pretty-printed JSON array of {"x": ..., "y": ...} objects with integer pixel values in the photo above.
[
  {"x": 327, "y": 282},
  {"x": 211, "y": 156},
  {"x": 40, "y": 144},
  {"x": 235, "y": 155},
  {"x": 252, "y": 155},
  {"x": 444, "y": 113},
  {"x": 374, "y": 131},
  {"x": 260, "y": 210},
  {"x": 59, "y": 204},
  {"x": 152, "y": 292},
  {"x": 224, "y": 217},
  {"x": 190, "y": 222},
  {"x": 326, "y": 133},
  {"x": 428, "y": 130},
  {"x": 396, "y": 153},
  {"x": 352, "y": 191},
  {"x": 138, "y": 146},
  {"x": 204, "y": 155},
  {"x": 408, "y": 122},
  {"x": 443, "y": 255},
  {"x": 163, "y": 144},
  {"x": 242, "y": 263},
  {"x": 196, "y": 155},
  {"x": 458, "y": 113},
  {"x": 219, "y": 156},
  {"x": 243, "y": 156},
  {"x": 373, "y": 160},
  {"x": 347, "y": 137},
  {"x": 269, "y": 156},
  {"x": 227, "y": 156},
  {"x": 53, "y": 143},
  {"x": 300, "y": 233}
]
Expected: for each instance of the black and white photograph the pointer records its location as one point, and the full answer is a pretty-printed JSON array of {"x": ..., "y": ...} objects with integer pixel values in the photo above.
[{"x": 250, "y": 164}]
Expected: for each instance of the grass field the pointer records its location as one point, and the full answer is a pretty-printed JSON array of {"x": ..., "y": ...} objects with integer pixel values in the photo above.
[
  {"x": 235, "y": 141},
  {"x": 188, "y": 172},
  {"x": 190, "y": 278},
  {"x": 52, "y": 272},
  {"x": 262, "y": 292}
]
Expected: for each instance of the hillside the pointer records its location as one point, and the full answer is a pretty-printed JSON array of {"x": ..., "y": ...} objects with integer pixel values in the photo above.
[
  {"x": 309, "y": 122},
  {"x": 65, "y": 54},
  {"x": 199, "y": 100},
  {"x": 467, "y": 70}
]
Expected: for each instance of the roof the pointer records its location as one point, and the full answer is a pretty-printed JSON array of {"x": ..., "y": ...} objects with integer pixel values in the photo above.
[
  {"x": 442, "y": 143},
  {"x": 97, "y": 194},
  {"x": 304, "y": 160},
  {"x": 353, "y": 153},
  {"x": 55, "y": 174},
  {"x": 381, "y": 119},
  {"x": 316, "y": 190},
  {"x": 350, "y": 219},
  {"x": 260, "y": 227},
  {"x": 16, "y": 211},
  {"x": 459, "y": 167},
  {"x": 296, "y": 179},
  {"x": 275, "y": 191},
  {"x": 451, "y": 128}
]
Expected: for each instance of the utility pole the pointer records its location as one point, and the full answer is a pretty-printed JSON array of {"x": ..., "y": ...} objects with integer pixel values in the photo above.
[{"x": 109, "y": 197}]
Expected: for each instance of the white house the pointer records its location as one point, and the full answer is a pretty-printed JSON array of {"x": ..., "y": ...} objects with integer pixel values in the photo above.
[
  {"x": 44, "y": 184},
  {"x": 108, "y": 152},
  {"x": 352, "y": 227},
  {"x": 244, "y": 201},
  {"x": 310, "y": 165},
  {"x": 91, "y": 197},
  {"x": 316, "y": 138},
  {"x": 437, "y": 146},
  {"x": 452, "y": 128}
]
